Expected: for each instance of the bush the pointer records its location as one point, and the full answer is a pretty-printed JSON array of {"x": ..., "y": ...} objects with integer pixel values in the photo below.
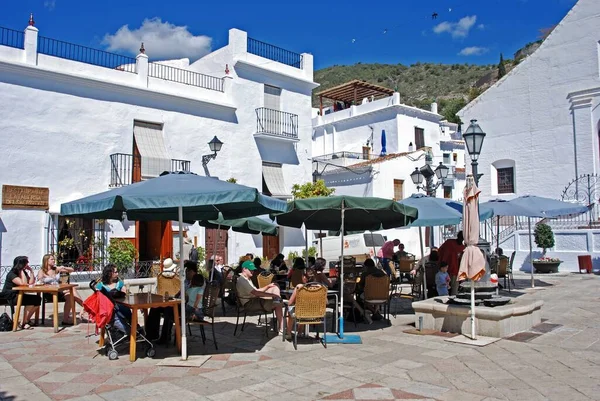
[
  {"x": 121, "y": 253},
  {"x": 544, "y": 237}
]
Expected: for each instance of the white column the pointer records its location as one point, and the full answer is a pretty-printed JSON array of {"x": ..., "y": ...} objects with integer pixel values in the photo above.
[
  {"x": 31, "y": 45},
  {"x": 308, "y": 65},
  {"x": 238, "y": 41},
  {"x": 141, "y": 68},
  {"x": 227, "y": 84}
]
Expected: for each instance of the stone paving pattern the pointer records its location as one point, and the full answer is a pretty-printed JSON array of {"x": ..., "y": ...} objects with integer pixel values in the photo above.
[{"x": 561, "y": 363}]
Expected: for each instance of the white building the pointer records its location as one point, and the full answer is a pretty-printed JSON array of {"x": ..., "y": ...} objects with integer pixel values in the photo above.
[
  {"x": 543, "y": 124},
  {"x": 76, "y": 121},
  {"x": 348, "y": 154}
]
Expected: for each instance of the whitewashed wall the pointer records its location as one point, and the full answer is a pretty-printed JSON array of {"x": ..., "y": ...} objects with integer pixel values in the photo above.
[{"x": 60, "y": 121}]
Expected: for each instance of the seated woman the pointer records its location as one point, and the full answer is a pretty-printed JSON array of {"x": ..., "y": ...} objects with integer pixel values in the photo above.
[
  {"x": 319, "y": 276},
  {"x": 50, "y": 273},
  {"x": 277, "y": 264},
  {"x": 22, "y": 274},
  {"x": 113, "y": 285},
  {"x": 193, "y": 295},
  {"x": 298, "y": 265}
]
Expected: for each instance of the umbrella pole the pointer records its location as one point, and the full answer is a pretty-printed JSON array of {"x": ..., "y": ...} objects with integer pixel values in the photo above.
[
  {"x": 497, "y": 231},
  {"x": 424, "y": 267},
  {"x": 373, "y": 243},
  {"x": 320, "y": 243},
  {"x": 182, "y": 288},
  {"x": 530, "y": 252},
  {"x": 473, "y": 335},
  {"x": 306, "y": 244},
  {"x": 214, "y": 253},
  {"x": 341, "y": 278}
]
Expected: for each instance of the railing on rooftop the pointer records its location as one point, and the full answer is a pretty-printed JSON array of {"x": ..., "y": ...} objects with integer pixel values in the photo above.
[
  {"x": 345, "y": 155},
  {"x": 83, "y": 54},
  {"x": 274, "y": 53},
  {"x": 187, "y": 77},
  {"x": 12, "y": 38},
  {"x": 277, "y": 123},
  {"x": 122, "y": 168}
]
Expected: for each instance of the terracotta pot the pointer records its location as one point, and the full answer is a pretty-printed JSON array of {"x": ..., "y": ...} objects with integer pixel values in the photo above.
[{"x": 546, "y": 267}]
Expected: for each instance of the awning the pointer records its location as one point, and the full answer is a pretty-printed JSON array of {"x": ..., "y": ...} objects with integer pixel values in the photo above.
[
  {"x": 273, "y": 177},
  {"x": 150, "y": 144}
]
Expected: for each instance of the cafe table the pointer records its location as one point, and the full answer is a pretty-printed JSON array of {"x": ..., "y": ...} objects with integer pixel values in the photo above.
[
  {"x": 53, "y": 289},
  {"x": 143, "y": 302}
]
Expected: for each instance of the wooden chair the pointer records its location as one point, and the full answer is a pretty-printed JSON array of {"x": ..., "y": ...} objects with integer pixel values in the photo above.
[
  {"x": 297, "y": 277},
  {"x": 241, "y": 310},
  {"x": 209, "y": 303},
  {"x": 502, "y": 271},
  {"x": 377, "y": 292},
  {"x": 310, "y": 308}
]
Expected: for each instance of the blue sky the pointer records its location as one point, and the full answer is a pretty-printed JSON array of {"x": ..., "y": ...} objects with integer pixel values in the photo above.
[{"x": 336, "y": 32}]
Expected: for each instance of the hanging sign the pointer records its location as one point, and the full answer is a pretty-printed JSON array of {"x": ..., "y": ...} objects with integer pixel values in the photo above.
[{"x": 18, "y": 197}]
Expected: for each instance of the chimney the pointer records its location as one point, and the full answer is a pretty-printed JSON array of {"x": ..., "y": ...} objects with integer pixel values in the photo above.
[{"x": 434, "y": 107}]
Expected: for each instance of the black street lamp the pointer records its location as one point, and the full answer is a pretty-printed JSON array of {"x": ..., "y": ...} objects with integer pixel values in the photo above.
[
  {"x": 427, "y": 173},
  {"x": 474, "y": 137},
  {"x": 215, "y": 146}
]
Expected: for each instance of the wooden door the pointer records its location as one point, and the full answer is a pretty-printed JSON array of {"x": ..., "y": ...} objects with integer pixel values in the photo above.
[
  {"x": 270, "y": 246},
  {"x": 209, "y": 243}
]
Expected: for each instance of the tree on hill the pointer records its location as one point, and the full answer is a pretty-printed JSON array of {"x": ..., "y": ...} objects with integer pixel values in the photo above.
[
  {"x": 449, "y": 108},
  {"x": 501, "y": 67}
]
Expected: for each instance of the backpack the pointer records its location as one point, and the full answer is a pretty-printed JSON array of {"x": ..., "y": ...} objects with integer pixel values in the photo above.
[{"x": 6, "y": 322}]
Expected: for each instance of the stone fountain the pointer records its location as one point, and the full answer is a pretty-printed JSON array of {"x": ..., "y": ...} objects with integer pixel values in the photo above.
[{"x": 495, "y": 316}]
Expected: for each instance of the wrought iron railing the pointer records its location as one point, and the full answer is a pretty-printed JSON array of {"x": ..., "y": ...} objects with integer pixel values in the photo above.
[
  {"x": 345, "y": 155},
  {"x": 274, "y": 53},
  {"x": 12, "y": 38},
  {"x": 83, "y": 54},
  {"x": 277, "y": 123},
  {"x": 187, "y": 77},
  {"x": 122, "y": 166},
  {"x": 84, "y": 273}
]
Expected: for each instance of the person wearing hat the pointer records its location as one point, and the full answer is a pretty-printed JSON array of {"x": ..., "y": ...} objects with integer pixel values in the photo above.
[{"x": 255, "y": 299}]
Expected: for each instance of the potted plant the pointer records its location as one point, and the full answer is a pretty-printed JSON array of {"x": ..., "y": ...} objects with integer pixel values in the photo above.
[
  {"x": 122, "y": 253},
  {"x": 544, "y": 238}
]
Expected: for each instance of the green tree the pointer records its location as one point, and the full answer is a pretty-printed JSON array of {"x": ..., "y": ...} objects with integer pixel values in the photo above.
[
  {"x": 544, "y": 237},
  {"x": 311, "y": 190},
  {"x": 474, "y": 92},
  {"x": 501, "y": 67},
  {"x": 449, "y": 108},
  {"x": 232, "y": 180},
  {"x": 121, "y": 253}
]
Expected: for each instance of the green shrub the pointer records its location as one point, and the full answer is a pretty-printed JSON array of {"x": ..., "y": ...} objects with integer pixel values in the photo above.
[
  {"x": 121, "y": 253},
  {"x": 544, "y": 237}
]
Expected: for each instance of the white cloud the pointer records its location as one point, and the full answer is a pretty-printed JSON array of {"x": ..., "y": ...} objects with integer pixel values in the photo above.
[
  {"x": 458, "y": 29},
  {"x": 473, "y": 51},
  {"x": 161, "y": 39},
  {"x": 50, "y": 4},
  {"x": 481, "y": 27}
]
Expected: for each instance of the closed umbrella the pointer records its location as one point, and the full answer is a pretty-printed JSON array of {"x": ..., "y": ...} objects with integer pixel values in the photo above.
[
  {"x": 472, "y": 263},
  {"x": 383, "y": 143},
  {"x": 175, "y": 196}
]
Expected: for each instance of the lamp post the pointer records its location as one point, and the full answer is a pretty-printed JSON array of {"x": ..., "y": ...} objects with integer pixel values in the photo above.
[
  {"x": 441, "y": 172},
  {"x": 474, "y": 137},
  {"x": 214, "y": 146}
]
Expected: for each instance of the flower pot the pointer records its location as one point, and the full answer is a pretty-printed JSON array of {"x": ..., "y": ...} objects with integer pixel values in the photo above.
[{"x": 546, "y": 267}]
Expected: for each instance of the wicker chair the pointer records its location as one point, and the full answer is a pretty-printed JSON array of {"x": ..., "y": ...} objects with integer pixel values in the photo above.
[
  {"x": 265, "y": 279},
  {"x": 209, "y": 303},
  {"x": 310, "y": 308},
  {"x": 405, "y": 266},
  {"x": 377, "y": 292},
  {"x": 241, "y": 310},
  {"x": 502, "y": 271},
  {"x": 172, "y": 285}
]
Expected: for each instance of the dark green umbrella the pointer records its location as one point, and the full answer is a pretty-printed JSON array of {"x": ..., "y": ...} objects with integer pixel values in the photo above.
[
  {"x": 345, "y": 214},
  {"x": 175, "y": 196},
  {"x": 248, "y": 225}
]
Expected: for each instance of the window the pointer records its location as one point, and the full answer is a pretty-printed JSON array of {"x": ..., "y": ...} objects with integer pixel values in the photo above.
[
  {"x": 398, "y": 190},
  {"x": 272, "y": 97},
  {"x": 448, "y": 192},
  {"x": 454, "y": 157},
  {"x": 419, "y": 138},
  {"x": 506, "y": 180},
  {"x": 446, "y": 158},
  {"x": 366, "y": 153}
]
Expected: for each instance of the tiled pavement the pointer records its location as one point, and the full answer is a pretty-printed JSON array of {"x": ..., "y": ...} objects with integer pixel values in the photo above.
[{"x": 561, "y": 363}]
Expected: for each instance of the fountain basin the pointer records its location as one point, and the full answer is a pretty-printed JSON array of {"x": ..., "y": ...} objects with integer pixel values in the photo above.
[{"x": 500, "y": 321}]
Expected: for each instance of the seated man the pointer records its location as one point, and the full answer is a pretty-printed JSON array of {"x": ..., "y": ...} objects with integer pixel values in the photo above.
[
  {"x": 255, "y": 299},
  {"x": 400, "y": 253}
]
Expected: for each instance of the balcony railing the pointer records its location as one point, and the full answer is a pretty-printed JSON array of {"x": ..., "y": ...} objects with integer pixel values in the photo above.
[
  {"x": 187, "y": 77},
  {"x": 88, "y": 55},
  {"x": 12, "y": 38},
  {"x": 345, "y": 155},
  {"x": 276, "y": 123},
  {"x": 123, "y": 166},
  {"x": 274, "y": 53}
]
